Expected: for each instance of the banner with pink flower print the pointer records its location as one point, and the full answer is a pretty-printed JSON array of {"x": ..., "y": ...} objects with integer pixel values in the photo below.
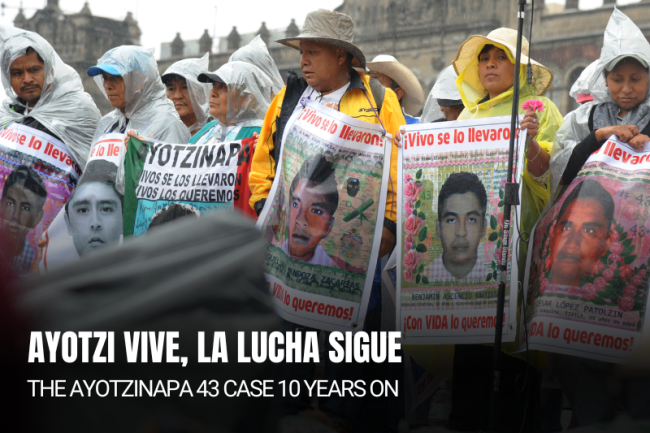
[
  {"x": 452, "y": 177},
  {"x": 587, "y": 271}
]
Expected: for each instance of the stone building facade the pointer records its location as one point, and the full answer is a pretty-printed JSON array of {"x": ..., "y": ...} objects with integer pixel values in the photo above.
[
  {"x": 80, "y": 39},
  {"x": 425, "y": 35}
]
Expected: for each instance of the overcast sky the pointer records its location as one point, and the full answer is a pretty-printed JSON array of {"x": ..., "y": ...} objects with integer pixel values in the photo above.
[{"x": 191, "y": 17}]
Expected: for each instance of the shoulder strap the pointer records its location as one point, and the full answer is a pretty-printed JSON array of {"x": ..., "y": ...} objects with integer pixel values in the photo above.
[
  {"x": 378, "y": 92},
  {"x": 295, "y": 88},
  {"x": 590, "y": 123}
]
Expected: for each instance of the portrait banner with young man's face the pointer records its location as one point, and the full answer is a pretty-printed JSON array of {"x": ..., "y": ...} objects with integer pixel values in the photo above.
[
  {"x": 92, "y": 219},
  {"x": 587, "y": 271},
  {"x": 452, "y": 178},
  {"x": 37, "y": 177},
  {"x": 324, "y": 216}
]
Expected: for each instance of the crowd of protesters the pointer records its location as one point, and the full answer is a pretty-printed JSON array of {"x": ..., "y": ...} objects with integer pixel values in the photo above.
[{"x": 247, "y": 97}]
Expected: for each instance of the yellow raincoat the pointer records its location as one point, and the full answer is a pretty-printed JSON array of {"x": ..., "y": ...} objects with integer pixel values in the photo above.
[{"x": 439, "y": 359}]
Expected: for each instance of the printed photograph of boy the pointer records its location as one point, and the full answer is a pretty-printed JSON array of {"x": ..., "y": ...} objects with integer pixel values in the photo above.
[
  {"x": 23, "y": 197},
  {"x": 313, "y": 200},
  {"x": 582, "y": 233},
  {"x": 93, "y": 214},
  {"x": 462, "y": 204}
]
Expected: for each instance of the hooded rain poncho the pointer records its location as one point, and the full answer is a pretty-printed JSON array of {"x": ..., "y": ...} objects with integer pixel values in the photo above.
[
  {"x": 64, "y": 107},
  {"x": 199, "y": 92},
  {"x": 444, "y": 88},
  {"x": 257, "y": 54},
  {"x": 149, "y": 113},
  {"x": 583, "y": 85},
  {"x": 622, "y": 37}
]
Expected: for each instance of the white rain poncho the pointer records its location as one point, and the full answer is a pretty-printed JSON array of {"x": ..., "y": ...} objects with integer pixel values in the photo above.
[
  {"x": 445, "y": 88},
  {"x": 622, "y": 37},
  {"x": 583, "y": 85},
  {"x": 149, "y": 113},
  {"x": 190, "y": 69},
  {"x": 63, "y": 108},
  {"x": 257, "y": 54},
  {"x": 249, "y": 93}
]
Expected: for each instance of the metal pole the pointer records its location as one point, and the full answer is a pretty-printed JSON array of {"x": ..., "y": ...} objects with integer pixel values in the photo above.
[{"x": 511, "y": 198}]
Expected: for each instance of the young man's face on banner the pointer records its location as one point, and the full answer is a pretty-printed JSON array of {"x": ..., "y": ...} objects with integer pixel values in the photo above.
[
  {"x": 580, "y": 238},
  {"x": 94, "y": 217},
  {"x": 461, "y": 227},
  {"x": 310, "y": 219},
  {"x": 21, "y": 210}
]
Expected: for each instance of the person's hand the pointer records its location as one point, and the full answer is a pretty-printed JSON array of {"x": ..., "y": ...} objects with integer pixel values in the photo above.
[
  {"x": 257, "y": 136},
  {"x": 397, "y": 140},
  {"x": 387, "y": 242},
  {"x": 624, "y": 132},
  {"x": 530, "y": 123},
  {"x": 638, "y": 142}
]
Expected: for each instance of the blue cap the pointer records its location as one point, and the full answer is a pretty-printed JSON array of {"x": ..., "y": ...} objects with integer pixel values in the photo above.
[{"x": 109, "y": 69}]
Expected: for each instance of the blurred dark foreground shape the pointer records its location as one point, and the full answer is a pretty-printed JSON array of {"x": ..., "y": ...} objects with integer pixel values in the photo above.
[{"x": 188, "y": 276}]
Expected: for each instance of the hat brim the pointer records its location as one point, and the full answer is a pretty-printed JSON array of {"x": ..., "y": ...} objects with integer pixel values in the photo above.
[
  {"x": 413, "y": 99},
  {"x": 97, "y": 70},
  {"x": 470, "y": 49},
  {"x": 210, "y": 77},
  {"x": 359, "y": 60}
]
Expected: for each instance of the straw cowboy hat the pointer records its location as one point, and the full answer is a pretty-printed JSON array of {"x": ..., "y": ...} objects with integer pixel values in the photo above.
[
  {"x": 505, "y": 38},
  {"x": 413, "y": 99},
  {"x": 331, "y": 28}
]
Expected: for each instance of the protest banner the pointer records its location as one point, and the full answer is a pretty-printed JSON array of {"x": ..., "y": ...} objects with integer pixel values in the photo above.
[
  {"x": 92, "y": 218},
  {"x": 587, "y": 270},
  {"x": 180, "y": 180},
  {"x": 320, "y": 219},
  {"x": 450, "y": 214},
  {"x": 38, "y": 176}
]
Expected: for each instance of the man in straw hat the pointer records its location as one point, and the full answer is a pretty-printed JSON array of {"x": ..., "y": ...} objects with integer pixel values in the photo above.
[
  {"x": 327, "y": 60},
  {"x": 401, "y": 80}
]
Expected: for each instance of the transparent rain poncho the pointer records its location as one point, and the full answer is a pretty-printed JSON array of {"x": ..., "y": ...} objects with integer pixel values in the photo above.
[
  {"x": 622, "y": 37},
  {"x": 257, "y": 54},
  {"x": 148, "y": 111},
  {"x": 199, "y": 92},
  {"x": 64, "y": 107},
  {"x": 583, "y": 85},
  {"x": 444, "y": 88}
]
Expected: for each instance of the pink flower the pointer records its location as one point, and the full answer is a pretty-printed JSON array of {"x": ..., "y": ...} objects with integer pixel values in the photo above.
[
  {"x": 544, "y": 286},
  {"x": 408, "y": 275},
  {"x": 625, "y": 303},
  {"x": 613, "y": 266},
  {"x": 608, "y": 274},
  {"x": 637, "y": 280},
  {"x": 411, "y": 259},
  {"x": 588, "y": 291},
  {"x": 412, "y": 225},
  {"x": 407, "y": 177},
  {"x": 408, "y": 238},
  {"x": 409, "y": 191},
  {"x": 600, "y": 283},
  {"x": 533, "y": 104},
  {"x": 408, "y": 208},
  {"x": 615, "y": 234},
  {"x": 408, "y": 246},
  {"x": 629, "y": 291},
  {"x": 597, "y": 267},
  {"x": 626, "y": 272},
  {"x": 616, "y": 248},
  {"x": 497, "y": 255},
  {"x": 615, "y": 258}
]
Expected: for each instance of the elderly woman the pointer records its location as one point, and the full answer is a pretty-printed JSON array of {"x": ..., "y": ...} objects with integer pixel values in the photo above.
[
  {"x": 129, "y": 78},
  {"x": 240, "y": 96},
  {"x": 619, "y": 84},
  {"x": 190, "y": 97}
]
